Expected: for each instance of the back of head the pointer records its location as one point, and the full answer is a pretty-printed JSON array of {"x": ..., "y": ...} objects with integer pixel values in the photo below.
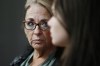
[{"x": 77, "y": 17}]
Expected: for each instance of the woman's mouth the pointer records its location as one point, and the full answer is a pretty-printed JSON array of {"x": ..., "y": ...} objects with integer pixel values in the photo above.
[{"x": 36, "y": 41}]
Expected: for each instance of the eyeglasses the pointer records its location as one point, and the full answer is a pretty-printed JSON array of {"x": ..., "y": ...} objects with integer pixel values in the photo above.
[{"x": 31, "y": 25}]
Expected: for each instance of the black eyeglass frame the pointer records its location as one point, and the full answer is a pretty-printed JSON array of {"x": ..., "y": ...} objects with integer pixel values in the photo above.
[{"x": 47, "y": 28}]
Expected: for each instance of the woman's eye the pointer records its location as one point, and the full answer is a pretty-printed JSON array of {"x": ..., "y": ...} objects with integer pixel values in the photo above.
[
  {"x": 44, "y": 24},
  {"x": 30, "y": 23}
]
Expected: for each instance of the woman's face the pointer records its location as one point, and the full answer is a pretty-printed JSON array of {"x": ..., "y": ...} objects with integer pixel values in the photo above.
[
  {"x": 38, "y": 38},
  {"x": 59, "y": 35}
]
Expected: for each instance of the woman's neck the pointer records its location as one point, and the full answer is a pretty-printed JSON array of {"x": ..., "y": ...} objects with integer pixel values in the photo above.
[
  {"x": 44, "y": 53},
  {"x": 41, "y": 56}
]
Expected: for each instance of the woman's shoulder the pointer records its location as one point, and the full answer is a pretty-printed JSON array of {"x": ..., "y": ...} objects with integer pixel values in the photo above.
[
  {"x": 21, "y": 58},
  {"x": 17, "y": 61}
]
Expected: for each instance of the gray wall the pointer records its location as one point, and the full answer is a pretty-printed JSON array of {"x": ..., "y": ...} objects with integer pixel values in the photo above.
[{"x": 12, "y": 37}]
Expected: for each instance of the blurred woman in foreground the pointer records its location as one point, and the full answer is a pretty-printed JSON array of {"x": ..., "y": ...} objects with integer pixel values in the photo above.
[{"x": 74, "y": 26}]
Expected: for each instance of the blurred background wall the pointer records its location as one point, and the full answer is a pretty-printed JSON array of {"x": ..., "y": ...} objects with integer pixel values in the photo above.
[{"x": 12, "y": 37}]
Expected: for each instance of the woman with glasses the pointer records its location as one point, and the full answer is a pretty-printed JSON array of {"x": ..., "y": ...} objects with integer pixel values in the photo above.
[{"x": 41, "y": 51}]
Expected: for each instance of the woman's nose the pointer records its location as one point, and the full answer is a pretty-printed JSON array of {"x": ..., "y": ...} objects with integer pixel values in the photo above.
[
  {"x": 50, "y": 21},
  {"x": 37, "y": 30}
]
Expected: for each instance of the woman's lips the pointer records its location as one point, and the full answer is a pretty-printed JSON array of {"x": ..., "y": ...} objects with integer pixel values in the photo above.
[{"x": 37, "y": 41}]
